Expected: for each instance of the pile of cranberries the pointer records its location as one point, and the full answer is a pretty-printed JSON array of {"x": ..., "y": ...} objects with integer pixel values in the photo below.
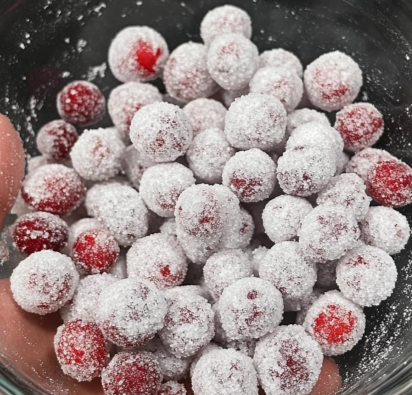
[{"x": 174, "y": 241}]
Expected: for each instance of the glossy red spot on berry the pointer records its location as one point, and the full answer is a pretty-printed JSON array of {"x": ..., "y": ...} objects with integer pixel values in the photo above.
[
  {"x": 147, "y": 56},
  {"x": 95, "y": 251},
  {"x": 335, "y": 325}
]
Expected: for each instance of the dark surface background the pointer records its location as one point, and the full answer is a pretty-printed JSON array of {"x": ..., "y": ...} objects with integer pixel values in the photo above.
[{"x": 47, "y": 43}]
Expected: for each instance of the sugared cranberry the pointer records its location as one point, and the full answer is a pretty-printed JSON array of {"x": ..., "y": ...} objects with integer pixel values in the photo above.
[
  {"x": 34, "y": 232},
  {"x": 279, "y": 57},
  {"x": 56, "y": 139},
  {"x": 95, "y": 251},
  {"x": 132, "y": 374},
  {"x": 81, "y": 350},
  {"x": 53, "y": 188},
  {"x": 390, "y": 183},
  {"x": 172, "y": 388},
  {"x": 81, "y": 103}
]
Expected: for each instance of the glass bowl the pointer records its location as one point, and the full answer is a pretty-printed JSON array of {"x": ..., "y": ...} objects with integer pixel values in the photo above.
[{"x": 48, "y": 43}]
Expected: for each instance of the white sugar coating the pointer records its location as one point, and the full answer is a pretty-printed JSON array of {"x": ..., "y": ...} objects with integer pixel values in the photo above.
[
  {"x": 335, "y": 322},
  {"x": 360, "y": 124},
  {"x": 303, "y": 171},
  {"x": 130, "y": 311},
  {"x": 159, "y": 259},
  {"x": 35, "y": 162},
  {"x": 229, "y": 96},
  {"x": 255, "y": 121},
  {"x": 44, "y": 282},
  {"x": 250, "y": 308},
  {"x": 186, "y": 76},
  {"x": 326, "y": 278},
  {"x": 279, "y": 57},
  {"x": 316, "y": 134},
  {"x": 97, "y": 154},
  {"x": 257, "y": 256},
  {"x": 349, "y": 191},
  {"x": 80, "y": 226},
  {"x": 134, "y": 164},
  {"x": 162, "y": 184},
  {"x": 121, "y": 211},
  {"x": 332, "y": 81},
  {"x": 246, "y": 230},
  {"x": 385, "y": 228},
  {"x": 119, "y": 269},
  {"x": 126, "y": 99},
  {"x": 205, "y": 350},
  {"x": 285, "y": 267},
  {"x": 288, "y": 361},
  {"x": 225, "y": 19},
  {"x": 189, "y": 325},
  {"x": 124, "y": 61},
  {"x": 232, "y": 60},
  {"x": 171, "y": 388},
  {"x": 366, "y": 275},
  {"x": 283, "y": 216},
  {"x": 168, "y": 228},
  {"x": 304, "y": 115},
  {"x": 214, "y": 374},
  {"x": 208, "y": 154},
  {"x": 161, "y": 131},
  {"x": 84, "y": 301},
  {"x": 280, "y": 82},
  {"x": 327, "y": 233},
  {"x": 301, "y": 315},
  {"x": 365, "y": 160},
  {"x": 251, "y": 175},
  {"x": 182, "y": 290},
  {"x": 205, "y": 114},
  {"x": 224, "y": 268},
  {"x": 341, "y": 163},
  {"x": 173, "y": 368}
]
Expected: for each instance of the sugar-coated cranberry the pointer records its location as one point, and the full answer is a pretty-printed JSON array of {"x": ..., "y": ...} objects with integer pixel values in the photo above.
[
  {"x": 335, "y": 322},
  {"x": 232, "y": 60},
  {"x": 349, "y": 191},
  {"x": 188, "y": 326},
  {"x": 84, "y": 301},
  {"x": 130, "y": 312},
  {"x": 225, "y": 19},
  {"x": 385, "y": 228},
  {"x": 390, "y": 183},
  {"x": 365, "y": 160},
  {"x": 80, "y": 226},
  {"x": 56, "y": 139},
  {"x": 186, "y": 76},
  {"x": 81, "y": 350},
  {"x": 332, "y": 81},
  {"x": 132, "y": 373},
  {"x": 97, "y": 154},
  {"x": 162, "y": 184},
  {"x": 95, "y": 251},
  {"x": 302, "y": 116},
  {"x": 255, "y": 121},
  {"x": 137, "y": 53},
  {"x": 204, "y": 114},
  {"x": 250, "y": 308},
  {"x": 161, "y": 131},
  {"x": 280, "y": 82},
  {"x": 126, "y": 100},
  {"x": 172, "y": 388},
  {"x": 366, "y": 275},
  {"x": 81, "y": 103},
  {"x": 285, "y": 267},
  {"x": 251, "y": 175},
  {"x": 224, "y": 268},
  {"x": 283, "y": 216},
  {"x": 221, "y": 372},
  {"x": 279, "y": 57},
  {"x": 360, "y": 125},
  {"x": 34, "y": 232},
  {"x": 44, "y": 282},
  {"x": 159, "y": 259},
  {"x": 53, "y": 188},
  {"x": 327, "y": 233},
  {"x": 208, "y": 154},
  {"x": 297, "y": 359}
]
